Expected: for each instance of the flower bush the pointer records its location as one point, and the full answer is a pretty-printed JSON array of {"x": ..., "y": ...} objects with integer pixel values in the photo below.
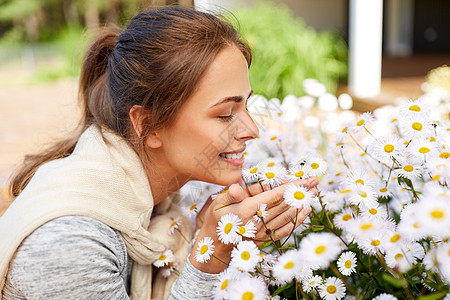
[{"x": 379, "y": 227}]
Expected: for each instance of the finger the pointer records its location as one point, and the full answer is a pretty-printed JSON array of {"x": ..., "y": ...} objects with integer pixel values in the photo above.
[
  {"x": 309, "y": 183},
  {"x": 235, "y": 194},
  {"x": 283, "y": 218},
  {"x": 275, "y": 211},
  {"x": 287, "y": 228}
]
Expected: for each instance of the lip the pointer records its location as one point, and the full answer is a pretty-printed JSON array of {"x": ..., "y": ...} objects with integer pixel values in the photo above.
[
  {"x": 235, "y": 151},
  {"x": 235, "y": 162}
]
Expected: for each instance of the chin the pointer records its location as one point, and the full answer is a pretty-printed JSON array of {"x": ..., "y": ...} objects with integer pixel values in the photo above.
[{"x": 228, "y": 178}]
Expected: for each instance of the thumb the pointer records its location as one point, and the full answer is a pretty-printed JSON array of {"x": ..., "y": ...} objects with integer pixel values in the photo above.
[{"x": 235, "y": 194}]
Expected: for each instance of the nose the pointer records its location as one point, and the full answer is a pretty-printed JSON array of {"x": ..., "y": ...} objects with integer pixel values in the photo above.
[{"x": 247, "y": 129}]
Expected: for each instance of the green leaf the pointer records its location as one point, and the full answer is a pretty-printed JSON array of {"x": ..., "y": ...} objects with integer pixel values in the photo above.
[
  {"x": 437, "y": 295},
  {"x": 400, "y": 282},
  {"x": 282, "y": 288}
]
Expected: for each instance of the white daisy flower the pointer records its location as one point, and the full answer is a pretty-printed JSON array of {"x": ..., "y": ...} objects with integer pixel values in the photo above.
[
  {"x": 261, "y": 213},
  {"x": 174, "y": 225},
  {"x": 311, "y": 283},
  {"x": 413, "y": 108},
  {"x": 387, "y": 147},
  {"x": 422, "y": 150},
  {"x": 303, "y": 271},
  {"x": 250, "y": 174},
  {"x": 417, "y": 126},
  {"x": 364, "y": 196},
  {"x": 245, "y": 256},
  {"x": 319, "y": 249},
  {"x": 285, "y": 268},
  {"x": 356, "y": 178},
  {"x": 372, "y": 244},
  {"x": 317, "y": 164},
  {"x": 298, "y": 171},
  {"x": 347, "y": 263},
  {"x": 410, "y": 171},
  {"x": 383, "y": 190},
  {"x": 248, "y": 288},
  {"x": 333, "y": 201},
  {"x": 165, "y": 258},
  {"x": 435, "y": 215},
  {"x": 270, "y": 163},
  {"x": 227, "y": 228},
  {"x": 169, "y": 269},
  {"x": 205, "y": 250},
  {"x": 374, "y": 211},
  {"x": 392, "y": 238},
  {"x": 362, "y": 122},
  {"x": 402, "y": 258},
  {"x": 272, "y": 176},
  {"x": 248, "y": 230},
  {"x": 363, "y": 226},
  {"x": 343, "y": 219},
  {"x": 385, "y": 296},
  {"x": 222, "y": 283},
  {"x": 332, "y": 289},
  {"x": 297, "y": 196}
]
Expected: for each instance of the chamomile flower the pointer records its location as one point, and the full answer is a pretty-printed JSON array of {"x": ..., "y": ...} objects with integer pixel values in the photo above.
[
  {"x": 414, "y": 108},
  {"x": 245, "y": 256},
  {"x": 409, "y": 171},
  {"x": 343, "y": 219},
  {"x": 375, "y": 211},
  {"x": 347, "y": 263},
  {"x": 392, "y": 238},
  {"x": 320, "y": 249},
  {"x": 332, "y": 289},
  {"x": 165, "y": 258},
  {"x": 317, "y": 164},
  {"x": 311, "y": 283},
  {"x": 356, "y": 178},
  {"x": 364, "y": 226},
  {"x": 261, "y": 213},
  {"x": 227, "y": 228},
  {"x": 270, "y": 163},
  {"x": 297, "y": 196},
  {"x": 422, "y": 150},
  {"x": 298, "y": 171},
  {"x": 333, "y": 201},
  {"x": 435, "y": 215},
  {"x": 248, "y": 230},
  {"x": 169, "y": 269},
  {"x": 371, "y": 244},
  {"x": 417, "y": 126},
  {"x": 383, "y": 190},
  {"x": 363, "y": 196},
  {"x": 362, "y": 122},
  {"x": 205, "y": 250},
  {"x": 399, "y": 258},
  {"x": 273, "y": 176},
  {"x": 387, "y": 148},
  {"x": 250, "y": 174},
  {"x": 385, "y": 296},
  {"x": 248, "y": 288},
  {"x": 174, "y": 225},
  {"x": 285, "y": 268},
  {"x": 222, "y": 283}
]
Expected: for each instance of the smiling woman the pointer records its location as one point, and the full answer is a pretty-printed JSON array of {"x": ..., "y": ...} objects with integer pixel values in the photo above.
[{"x": 164, "y": 103}]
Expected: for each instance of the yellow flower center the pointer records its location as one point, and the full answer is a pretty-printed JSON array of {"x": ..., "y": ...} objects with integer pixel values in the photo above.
[
  {"x": 173, "y": 224},
  {"x": 331, "y": 289},
  {"x": 345, "y": 129},
  {"x": 416, "y": 225},
  {"x": 254, "y": 170},
  {"x": 394, "y": 120},
  {"x": 330, "y": 182},
  {"x": 270, "y": 175},
  {"x": 417, "y": 126},
  {"x": 362, "y": 194},
  {"x": 241, "y": 230},
  {"x": 346, "y": 217},
  {"x": 348, "y": 264},
  {"x": 389, "y": 148},
  {"x": 408, "y": 168},
  {"x": 444, "y": 155},
  {"x": 437, "y": 214},
  {"x": 247, "y": 296},
  {"x": 345, "y": 191},
  {"x": 162, "y": 257},
  {"x": 424, "y": 150},
  {"x": 299, "y": 174},
  {"x": 366, "y": 226},
  {"x": 224, "y": 284},
  {"x": 383, "y": 190},
  {"x": 414, "y": 108},
  {"x": 273, "y": 138},
  {"x": 289, "y": 265},
  {"x": 245, "y": 255},
  {"x": 432, "y": 139},
  {"x": 360, "y": 122},
  {"x": 193, "y": 206},
  {"x": 339, "y": 144},
  {"x": 271, "y": 164},
  {"x": 375, "y": 243},
  {"x": 436, "y": 177},
  {"x": 259, "y": 213},
  {"x": 203, "y": 249},
  {"x": 398, "y": 256},
  {"x": 299, "y": 195},
  {"x": 314, "y": 166},
  {"x": 320, "y": 249},
  {"x": 395, "y": 238},
  {"x": 362, "y": 154},
  {"x": 227, "y": 228},
  {"x": 360, "y": 181},
  {"x": 373, "y": 211}
]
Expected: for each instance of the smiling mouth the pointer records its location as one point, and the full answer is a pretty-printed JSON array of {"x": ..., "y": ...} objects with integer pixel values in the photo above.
[{"x": 232, "y": 155}]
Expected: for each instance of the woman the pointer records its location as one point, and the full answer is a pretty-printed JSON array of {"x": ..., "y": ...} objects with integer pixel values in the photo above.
[{"x": 164, "y": 103}]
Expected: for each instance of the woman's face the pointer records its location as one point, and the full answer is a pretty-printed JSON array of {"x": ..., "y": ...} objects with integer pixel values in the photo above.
[{"x": 208, "y": 137}]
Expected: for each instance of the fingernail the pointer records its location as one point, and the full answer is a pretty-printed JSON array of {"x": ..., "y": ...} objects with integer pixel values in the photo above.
[{"x": 306, "y": 211}]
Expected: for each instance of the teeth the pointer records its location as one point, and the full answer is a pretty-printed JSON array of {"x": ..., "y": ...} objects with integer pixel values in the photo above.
[{"x": 231, "y": 155}]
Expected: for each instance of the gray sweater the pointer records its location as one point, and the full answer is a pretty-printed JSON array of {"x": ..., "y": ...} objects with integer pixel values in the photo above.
[{"x": 77, "y": 257}]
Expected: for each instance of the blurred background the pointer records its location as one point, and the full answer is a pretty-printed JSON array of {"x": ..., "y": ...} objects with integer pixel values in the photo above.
[{"x": 391, "y": 43}]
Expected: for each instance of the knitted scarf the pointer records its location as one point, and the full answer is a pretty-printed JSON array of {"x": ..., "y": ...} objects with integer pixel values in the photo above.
[{"x": 103, "y": 179}]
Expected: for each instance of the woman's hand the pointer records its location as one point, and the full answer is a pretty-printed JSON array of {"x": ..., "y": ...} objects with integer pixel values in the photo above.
[{"x": 245, "y": 203}]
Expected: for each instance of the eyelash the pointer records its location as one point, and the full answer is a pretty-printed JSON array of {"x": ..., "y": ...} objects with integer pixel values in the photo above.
[{"x": 226, "y": 118}]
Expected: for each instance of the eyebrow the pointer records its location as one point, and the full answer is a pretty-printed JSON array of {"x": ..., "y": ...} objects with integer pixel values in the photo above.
[{"x": 232, "y": 99}]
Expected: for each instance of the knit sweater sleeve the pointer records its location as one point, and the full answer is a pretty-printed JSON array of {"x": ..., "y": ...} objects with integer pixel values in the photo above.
[{"x": 71, "y": 257}]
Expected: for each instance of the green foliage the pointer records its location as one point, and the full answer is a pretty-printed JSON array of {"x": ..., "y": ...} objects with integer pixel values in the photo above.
[{"x": 286, "y": 51}]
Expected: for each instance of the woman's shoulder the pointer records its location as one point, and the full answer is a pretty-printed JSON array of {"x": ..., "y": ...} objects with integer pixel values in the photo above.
[{"x": 70, "y": 254}]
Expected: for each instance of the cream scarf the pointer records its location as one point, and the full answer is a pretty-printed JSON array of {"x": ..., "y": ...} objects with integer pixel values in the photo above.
[{"x": 103, "y": 179}]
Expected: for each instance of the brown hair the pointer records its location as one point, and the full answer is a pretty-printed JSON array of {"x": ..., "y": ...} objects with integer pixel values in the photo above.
[{"x": 156, "y": 62}]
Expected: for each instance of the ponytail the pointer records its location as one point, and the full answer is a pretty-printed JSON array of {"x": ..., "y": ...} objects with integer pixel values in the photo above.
[{"x": 93, "y": 97}]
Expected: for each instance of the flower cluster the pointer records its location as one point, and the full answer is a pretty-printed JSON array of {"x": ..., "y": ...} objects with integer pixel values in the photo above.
[{"x": 380, "y": 225}]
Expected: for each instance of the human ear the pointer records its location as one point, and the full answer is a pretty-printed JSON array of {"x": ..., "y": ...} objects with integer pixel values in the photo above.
[{"x": 138, "y": 117}]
